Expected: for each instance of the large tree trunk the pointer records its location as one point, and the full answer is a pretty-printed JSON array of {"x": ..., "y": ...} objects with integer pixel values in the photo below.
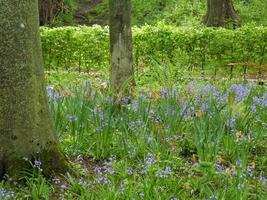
[
  {"x": 26, "y": 129},
  {"x": 122, "y": 72},
  {"x": 219, "y": 12}
]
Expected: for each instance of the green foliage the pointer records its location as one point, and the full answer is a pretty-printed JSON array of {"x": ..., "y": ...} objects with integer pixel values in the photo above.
[
  {"x": 65, "y": 17},
  {"x": 149, "y": 144},
  {"x": 192, "y": 12},
  {"x": 209, "y": 129},
  {"x": 39, "y": 188},
  {"x": 173, "y": 12},
  {"x": 85, "y": 48},
  {"x": 75, "y": 47},
  {"x": 252, "y": 11}
]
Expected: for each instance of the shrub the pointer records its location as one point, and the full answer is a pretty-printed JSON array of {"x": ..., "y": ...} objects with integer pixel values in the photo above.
[{"x": 88, "y": 47}]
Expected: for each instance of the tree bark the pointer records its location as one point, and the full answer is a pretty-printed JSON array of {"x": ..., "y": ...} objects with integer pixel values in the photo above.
[
  {"x": 122, "y": 72},
  {"x": 49, "y": 10},
  {"x": 219, "y": 12},
  {"x": 26, "y": 129}
]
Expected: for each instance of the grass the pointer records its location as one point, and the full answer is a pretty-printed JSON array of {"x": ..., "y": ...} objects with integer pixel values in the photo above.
[{"x": 200, "y": 140}]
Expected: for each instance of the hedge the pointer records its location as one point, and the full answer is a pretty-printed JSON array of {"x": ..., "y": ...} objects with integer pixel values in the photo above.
[{"x": 88, "y": 47}]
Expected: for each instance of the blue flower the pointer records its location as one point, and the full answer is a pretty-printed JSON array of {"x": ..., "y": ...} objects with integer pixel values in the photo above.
[
  {"x": 37, "y": 164},
  {"x": 262, "y": 179},
  {"x": 239, "y": 162},
  {"x": 240, "y": 186},
  {"x": 52, "y": 93},
  {"x": 72, "y": 118},
  {"x": 240, "y": 91},
  {"x": 164, "y": 173}
]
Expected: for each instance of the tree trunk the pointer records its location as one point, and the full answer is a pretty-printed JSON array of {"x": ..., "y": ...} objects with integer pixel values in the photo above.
[
  {"x": 26, "y": 129},
  {"x": 219, "y": 12},
  {"x": 122, "y": 72},
  {"x": 49, "y": 10}
]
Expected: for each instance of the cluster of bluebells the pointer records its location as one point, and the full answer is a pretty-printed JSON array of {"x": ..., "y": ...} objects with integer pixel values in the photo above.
[
  {"x": 241, "y": 92},
  {"x": 201, "y": 94},
  {"x": 6, "y": 194},
  {"x": 231, "y": 123},
  {"x": 102, "y": 172},
  {"x": 164, "y": 173},
  {"x": 262, "y": 178},
  {"x": 108, "y": 166},
  {"x": 213, "y": 197},
  {"x": 102, "y": 121},
  {"x": 84, "y": 182},
  {"x": 153, "y": 116},
  {"x": 137, "y": 125},
  {"x": 72, "y": 118},
  {"x": 132, "y": 153},
  {"x": 169, "y": 92},
  {"x": 102, "y": 180},
  {"x": 37, "y": 165},
  {"x": 149, "y": 160},
  {"x": 260, "y": 102},
  {"x": 130, "y": 170},
  {"x": 53, "y": 94},
  {"x": 62, "y": 186},
  {"x": 184, "y": 107},
  {"x": 149, "y": 139}
]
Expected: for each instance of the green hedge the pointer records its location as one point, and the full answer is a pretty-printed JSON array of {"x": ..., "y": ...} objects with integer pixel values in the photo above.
[{"x": 88, "y": 47}]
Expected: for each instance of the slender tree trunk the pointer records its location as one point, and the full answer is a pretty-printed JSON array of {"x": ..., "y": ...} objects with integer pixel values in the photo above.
[
  {"x": 49, "y": 10},
  {"x": 219, "y": 12},
  {"x": 26, "y": 129},
  {"x": 122, "y": 72}
]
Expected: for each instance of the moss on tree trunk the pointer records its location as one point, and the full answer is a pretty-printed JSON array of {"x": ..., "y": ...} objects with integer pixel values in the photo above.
[
  {"x": 219, "y": 12},
  {"x": 122, "y": 72},
  {"x": 26, "y": 129}
]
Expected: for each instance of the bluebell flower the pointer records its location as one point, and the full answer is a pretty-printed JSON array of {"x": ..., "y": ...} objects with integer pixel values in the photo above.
[
  {"x": 132, "y": 153},
  {"x": 219, "y": 168},
  {"x": 204, "y": 107},
  {"x": 130, "y": 171},
  {"x": 254, "y": 109},
  {"x": 192, "y": 86},
  {"x": 149, "y": 160},
  {"x": 231, "y": 123},
  {"x": 56, "y": 181},
  {"x": 264, "y": 100},
  {"x": 241, "y": 92},
  {"x": 214, "y": 197},
  {"x": 72, "y": 118},
  {"x": 149, "y": 139},
  {"x": 102, "y": 180},
  {"x": 262, "y": 179},
  {"x": 240, "y": 186},
  {"x": 37, "y": 164},
  {"x": 52, "y": 93},
  {"x": 256, "y": 100},
  {"x": 208, "y": 88},
  {"x": 141, "y": 195},
  {"x": 63, "y": 187},
  {"x": 98, "y": 170},
  {"x": 239, "y": 162},
  {"x": 164, "y": 93},
  {"x": 108, "y": 166},
  {"x": 163, "y": 173}
]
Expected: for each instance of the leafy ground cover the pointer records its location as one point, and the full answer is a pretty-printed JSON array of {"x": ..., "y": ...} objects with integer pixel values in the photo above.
[
  {"x": 182, "y": 12},
  {"x": 189, "y": 140},
  {"x": 87, "y": 48}
]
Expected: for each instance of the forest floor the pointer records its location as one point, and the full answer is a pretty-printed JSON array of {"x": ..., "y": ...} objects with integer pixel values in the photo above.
[{"x": 90, "y": 12}]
